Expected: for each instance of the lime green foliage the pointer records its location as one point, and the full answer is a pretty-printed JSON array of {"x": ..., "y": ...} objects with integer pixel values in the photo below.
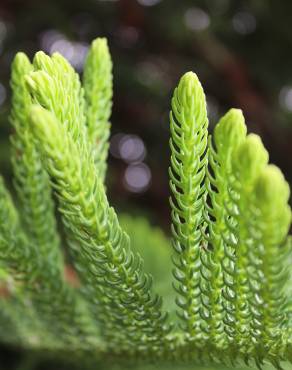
[
  {"x": 98, "y": 90},
  {"x": 189, "y": 130},
  {"x": 56, "y": 86},
  {"x": 228, "y": 134},
  {"x": 119, "y": 281},
  {"x": 230, "y": 218},
  {"x": 31, "y": 180}
]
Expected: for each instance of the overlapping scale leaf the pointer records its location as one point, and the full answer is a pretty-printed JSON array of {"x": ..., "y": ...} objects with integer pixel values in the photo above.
[
  {"x": 31, "y": 180},
  {"x": 118, "y": 281},
  {"x": 248, "y": 160},
  {"x": 101, "y": 301},
  {"x": 98, "y": 91},
  {"x": 46, "y": 292},
  {"x": 188, "y": 143},
  {"x": 56, "y": 86},
  {"x": 268, "y": 225},
  {"x": 230, "y": 220},
  {"x": 229, "y": 132}
]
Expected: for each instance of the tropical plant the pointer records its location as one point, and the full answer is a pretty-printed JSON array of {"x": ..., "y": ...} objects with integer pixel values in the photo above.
[{"x": 230, "y": 219}]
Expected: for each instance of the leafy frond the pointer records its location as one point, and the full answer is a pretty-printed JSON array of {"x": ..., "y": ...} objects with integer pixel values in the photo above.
[
  {"x": 189, "y": 130},
  {"x": 56, "y": 86},
  {"x": 230, "y": 220},
  {"x": 98, "y": 91},
  {"x": 18, "y": 258},
  {"x": 249, "y": 160},
  {"x": 115, "y": 273},
  {"x": 237, "y": 235},
  {"x": 39, "y": 283},
  {"x": 11, "y": 237},
  {"x": 31, "y": 180},
  {"x": 267, "y": 220},
  {"x": 228, "y": 134}
]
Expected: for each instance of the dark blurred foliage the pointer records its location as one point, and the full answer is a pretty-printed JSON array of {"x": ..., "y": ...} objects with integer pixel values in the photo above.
[{"x": 241, "y": 51}]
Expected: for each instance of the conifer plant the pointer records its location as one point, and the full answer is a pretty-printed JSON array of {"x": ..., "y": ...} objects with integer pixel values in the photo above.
[{"x": 227, "y": 303}]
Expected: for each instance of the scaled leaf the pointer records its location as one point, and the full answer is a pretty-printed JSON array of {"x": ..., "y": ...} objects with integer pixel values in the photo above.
[
  {"x": 98, "y": 91},
  {"x": 188, "y": 143},
  {"x": 115, "y": 275}
]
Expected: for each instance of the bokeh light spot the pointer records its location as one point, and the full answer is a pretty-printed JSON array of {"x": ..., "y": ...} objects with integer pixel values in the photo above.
[
  {"x": 148, "y": 2},
  {"x": 75, "y": 52},
  {"x": 244, "y": 23},
  {"x": 132, "y": 149},
  {"x": 285, "y": 98},
  {"x": 137, "y": 177},
  {"x": 196, "y": 19}
]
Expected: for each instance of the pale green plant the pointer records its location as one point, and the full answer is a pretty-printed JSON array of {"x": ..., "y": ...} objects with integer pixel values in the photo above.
[{"x": 230, "y": 218}]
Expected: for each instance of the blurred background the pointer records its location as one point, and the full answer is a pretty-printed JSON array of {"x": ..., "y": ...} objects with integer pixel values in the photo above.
[{"x": 241, "y": 51}]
